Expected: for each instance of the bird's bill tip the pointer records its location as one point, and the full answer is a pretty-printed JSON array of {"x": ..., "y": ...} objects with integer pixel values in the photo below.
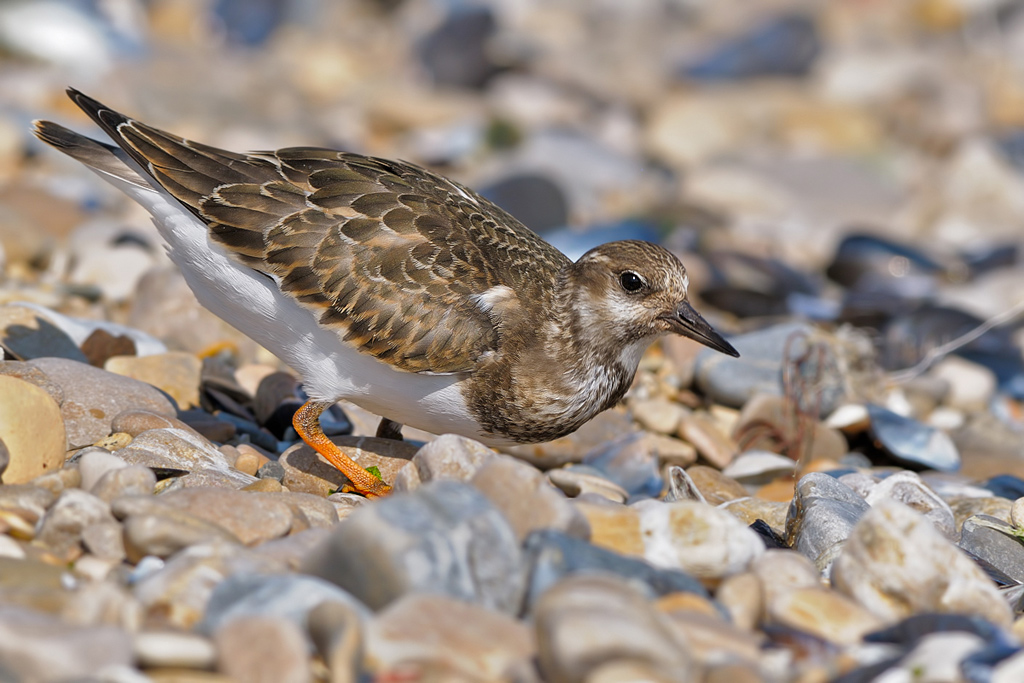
[{"x": 689, "y": 323}]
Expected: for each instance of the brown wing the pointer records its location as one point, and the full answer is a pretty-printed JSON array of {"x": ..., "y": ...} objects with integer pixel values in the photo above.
[{"x": 391, "y": 255}]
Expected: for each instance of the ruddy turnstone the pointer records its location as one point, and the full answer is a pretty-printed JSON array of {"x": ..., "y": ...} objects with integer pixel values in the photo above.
[{"x": 387, "y": 285}]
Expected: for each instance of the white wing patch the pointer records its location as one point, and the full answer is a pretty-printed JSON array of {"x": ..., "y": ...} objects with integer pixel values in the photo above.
[{"x": 499, "y": 294}]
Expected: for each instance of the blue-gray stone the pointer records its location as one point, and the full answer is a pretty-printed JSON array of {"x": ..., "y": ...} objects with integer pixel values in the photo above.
[
  {"x": 820, "y": 518},
  {"x": 553, "y": 555},
  {"x": 732, "y": 381},
  {"x": 288, "y": 596},
  {"x": 911, "y": 442},
  {"x": 991, "y": 540},
  {"x": 629, "y": 464},
  {"x": 445, "y": 537}
]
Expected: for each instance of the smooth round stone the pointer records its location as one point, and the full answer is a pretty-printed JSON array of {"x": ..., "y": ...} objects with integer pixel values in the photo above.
[
  {"x": 181, "y": 449},
  {"x": 820, "y": 518},
  {"x": 278, "y": 596},
  {"x": 939, "y": 656},
  {"x": 824, "y": 613},
  {"x": 849, "y": 418},
  {"x": 712, "y": 444},
  {"x": 713, "y": 639},
  {"x": 553, "y": 555},
  {"x": 1010, "y": 670},
  {"x": 251, "y": 518},
  {"x": 913, "y": 442},
  {"x": 449, "y": 456},
  {"x": 281, "y": 646},
  {"x": 743, "y": 598},
  {"x": 631, "y": 461},
  {"x": 174, "y": 372},
  {"x": 336, "y": 630},
  {"x": 575, "y": 482},
  {"x": 702, "y": 540},
  {"x": 61, "y": 527},
  {"x": 526, "y": 498},
  {"x": 180, "y": 590},
  {"x": 307, "y": 472},
  {"x": 95, "y": 463},
  {"x": 583, "y": 622},
  {"x": 451, "y": 635},
  {"x": 658, "y": 414},
  {"x": 33, "y": 431},
  {"x": 444, "y": 537},
  {"x": 1017, "y": 513},
  {"x": 249, "y": 463},
  {"x": 755, "y": 468},
  {"x": 694, "y": 537},
  {"x": 134, "y": 422},
  {"x": 165, "y": 532},
  {"x": 173, "y": 649},
  {"x": 27, "y": 500},
  {"x": 783, "y": 571},
  {"x": 314, "y": 511},
  {"x": 126, "y": 481},
  {"x": 93, "y": 397},
  {"x": 59, "y": 481},
  {"x": 39, "y": 647},
  {"x": 715, "y": 486},
  {"x": 929, "y": 574},
  {"x": 971, "y": 386},
  {"x": 104, "y": 540},
  {"x": 907, "y": 488},
  {"x": 627, "y": 671}
]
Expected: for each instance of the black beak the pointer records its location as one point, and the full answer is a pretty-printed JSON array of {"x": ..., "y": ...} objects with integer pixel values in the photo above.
[{"x": 689, "y": 323}]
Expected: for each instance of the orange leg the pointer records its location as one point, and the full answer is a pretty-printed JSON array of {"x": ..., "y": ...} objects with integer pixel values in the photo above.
[{"x": 307, "y": 424}]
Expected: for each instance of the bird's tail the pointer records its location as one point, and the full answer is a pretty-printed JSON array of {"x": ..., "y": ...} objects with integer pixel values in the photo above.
[{"x": 107, "y": 160}]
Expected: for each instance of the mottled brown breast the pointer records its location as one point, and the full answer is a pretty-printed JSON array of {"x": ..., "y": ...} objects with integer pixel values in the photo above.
[{"x": 389, "y": 254}]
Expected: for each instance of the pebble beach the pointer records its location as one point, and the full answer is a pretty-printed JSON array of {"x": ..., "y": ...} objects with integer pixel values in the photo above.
[{"x": 844, "y": 181}]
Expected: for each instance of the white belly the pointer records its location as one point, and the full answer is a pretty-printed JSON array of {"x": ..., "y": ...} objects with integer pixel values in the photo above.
[{"x": 331, "y": 369}]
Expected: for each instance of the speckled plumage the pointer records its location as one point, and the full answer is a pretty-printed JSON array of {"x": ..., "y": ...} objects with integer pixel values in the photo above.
[{"x": 409, "y": 268}]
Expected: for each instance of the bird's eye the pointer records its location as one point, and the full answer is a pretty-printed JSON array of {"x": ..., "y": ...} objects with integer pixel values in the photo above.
[{"x": 631, "y": 282}]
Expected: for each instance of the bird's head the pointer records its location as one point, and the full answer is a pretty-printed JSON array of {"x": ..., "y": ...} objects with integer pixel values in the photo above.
[{"x": 634, "y": 292}]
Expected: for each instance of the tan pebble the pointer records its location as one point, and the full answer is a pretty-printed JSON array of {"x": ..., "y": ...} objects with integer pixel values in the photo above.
[
  {"x": 14, "y": 525},
  {"x": 714, "y": 445},
  {"x": 1017, "y": 513},
  {"x": 114, "y": 442},
  {"x": 715, "y": 486},
  {"x": 743, "y": 597},
  {"x": 174, "y": 372},
  {"x": 683, "y": 602},
  {"x": 57, "y": 482},
  {"x": 264, "y": 486},
  {"x": 823, "y": 613},
  {"x": 1018, "y": 629},
  {"x": 658, "y": 414},
  {"x": 780, "y": 490},
  {"x": 734, "y": 673},
  {"x": 248, "y": 463},
  {"x": 614, "y": 527},
  {"x": 33, "y": 430}
]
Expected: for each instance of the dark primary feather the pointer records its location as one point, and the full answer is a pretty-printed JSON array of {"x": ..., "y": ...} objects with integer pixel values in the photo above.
[{"x": 389, "y": 254}]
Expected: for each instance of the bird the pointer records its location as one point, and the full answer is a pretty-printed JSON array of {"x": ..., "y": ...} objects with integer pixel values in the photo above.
[{"x": 395, "y": 288}]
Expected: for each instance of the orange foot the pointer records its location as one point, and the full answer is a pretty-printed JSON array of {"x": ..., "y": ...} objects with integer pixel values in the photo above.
[{"x": 307, "y": 424}]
